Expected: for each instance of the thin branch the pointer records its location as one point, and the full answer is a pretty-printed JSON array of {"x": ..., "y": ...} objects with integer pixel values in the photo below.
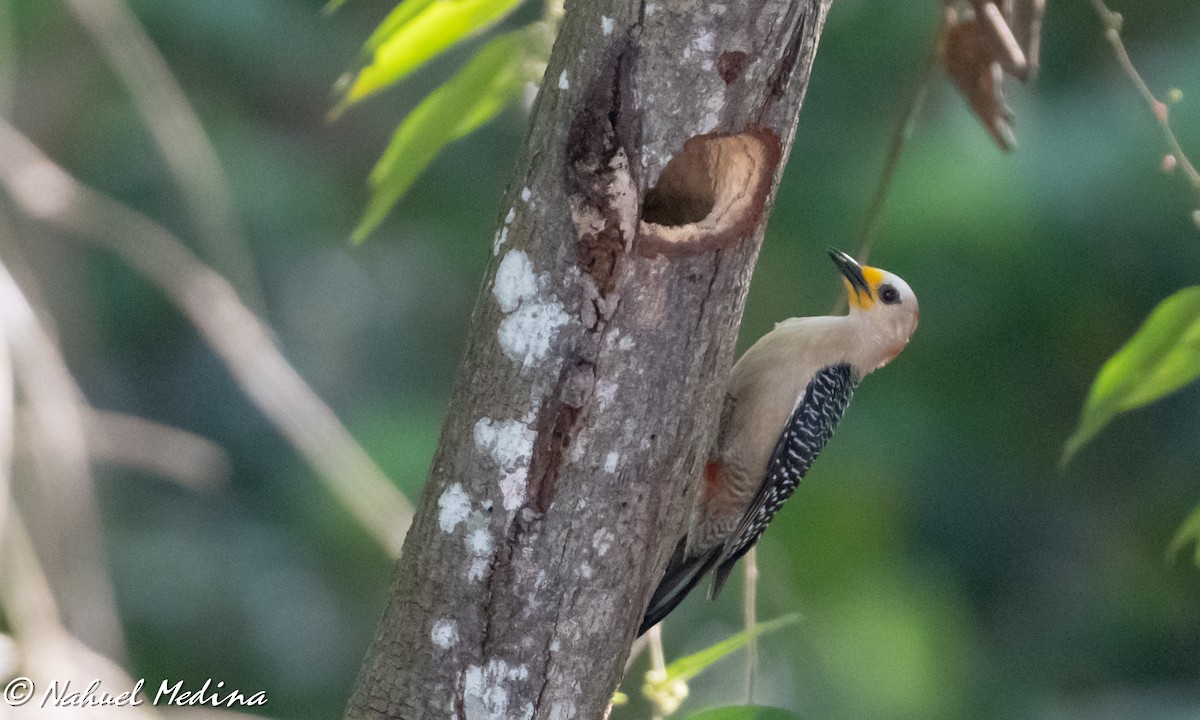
[
  {"x": 658, "y": 660},
  {"x": 180, "y": 456},
  {"x": 1160, "y": 110},
  {"x": 900, "y": 137},
  {"x": 46, "y": 192},
  {"x": 64, "y": 496},
  {"x": 750, "y": 618},
  {"x": 189, "y": 155},
  {"x": 896, "y": 146}
]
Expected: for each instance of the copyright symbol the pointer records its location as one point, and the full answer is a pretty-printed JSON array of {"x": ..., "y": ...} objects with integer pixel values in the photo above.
[{"x": 18, "y": 692}]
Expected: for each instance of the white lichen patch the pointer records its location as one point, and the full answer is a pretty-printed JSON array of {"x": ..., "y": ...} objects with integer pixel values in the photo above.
[
  {"x": 611, "y": 461},
  {"x": 512, "y": 215},
  {"x": 453, "y": 507},
  {"x": 526, "y": 334},
  {"x": 566, "y": 709},
  {"x": 705, "y": 42},
  {"x": 563, "y": 82},
  {"x": 515, "y": 280},
  {"x": 606, "y": 390},
  {"x": 479, "y": 545},
  {"x": 626, "y": 343},
  {"x": 533, "y": 321},
  {"x": 498, "y": 242},
  {"x": 585, "y": 570},
  {"x": 606, "y": 25},
  {"x": 444, "y": 633},
  {"x": 484, "y": 694},
  {"x": 509, "y": 444},
  {"x": 602, "y": 540},
  {"x": 479, "y": 541},
  {"x": 526, "y": 194}
]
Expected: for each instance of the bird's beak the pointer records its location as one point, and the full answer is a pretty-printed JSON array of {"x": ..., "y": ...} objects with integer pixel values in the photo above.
[{"x": 853, "y": 272}]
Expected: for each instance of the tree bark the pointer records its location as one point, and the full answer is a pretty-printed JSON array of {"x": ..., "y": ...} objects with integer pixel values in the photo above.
[{"x": 600, "y": 344}]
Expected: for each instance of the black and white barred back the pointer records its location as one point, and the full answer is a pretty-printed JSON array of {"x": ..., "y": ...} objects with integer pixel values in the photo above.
[{"x": 811, "y": 425}]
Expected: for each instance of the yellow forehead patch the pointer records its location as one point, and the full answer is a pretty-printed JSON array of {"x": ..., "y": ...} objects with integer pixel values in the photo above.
[{"x": 874, "y": 278}]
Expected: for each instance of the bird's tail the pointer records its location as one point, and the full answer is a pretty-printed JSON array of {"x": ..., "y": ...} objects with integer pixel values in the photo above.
[{"x": 683, "y": 573}]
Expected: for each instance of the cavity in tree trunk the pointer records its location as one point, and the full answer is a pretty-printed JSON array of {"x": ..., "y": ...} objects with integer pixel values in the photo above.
[{"x": 600, "y": 344}]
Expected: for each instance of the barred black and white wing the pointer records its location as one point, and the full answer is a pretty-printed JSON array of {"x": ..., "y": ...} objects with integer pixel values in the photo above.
[{"x": 811, "y": 425}]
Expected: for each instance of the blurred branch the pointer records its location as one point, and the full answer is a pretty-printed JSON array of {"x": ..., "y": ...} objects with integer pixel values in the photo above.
[
  {"x": 64, "y": 496},
  {"x": 750, "y": 618},
  {"x": 180, "y": 137},
  {"x": 7, "y": 422},
  {"x": 46, "y": 192},
  {"x": 47, "y": 649},
  {"x": 1161, "y": 111},
  {"x": 658, "y": 668},
  {"x": 900, "y": 137},
  {"x": 183, "y": 457}
]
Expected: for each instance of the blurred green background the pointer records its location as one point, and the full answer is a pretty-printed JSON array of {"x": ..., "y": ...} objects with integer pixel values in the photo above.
[{"x": 944, "y": 565}]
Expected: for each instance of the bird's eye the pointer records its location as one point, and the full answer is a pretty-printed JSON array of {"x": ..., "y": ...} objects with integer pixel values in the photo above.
[{"x": 889, "y": 295}]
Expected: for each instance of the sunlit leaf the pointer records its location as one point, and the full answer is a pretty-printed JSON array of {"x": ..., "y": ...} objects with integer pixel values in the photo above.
[
  {"x": 399, "y": 16},
  {"x": 492, "y": 80},
  {"x": 413, "y": 34},
  {"x": 1163, "y": 356},
  {"x": 689, "y": 666},
  {"x": 1188, "y": 533},
  {"x": 744, "y": 712}
]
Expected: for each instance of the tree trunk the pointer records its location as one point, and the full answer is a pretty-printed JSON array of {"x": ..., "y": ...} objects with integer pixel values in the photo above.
[{"x": 600, "y": 345}]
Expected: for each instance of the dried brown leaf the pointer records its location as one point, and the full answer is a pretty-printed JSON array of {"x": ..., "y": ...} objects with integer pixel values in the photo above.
[{"x": 969, "y": 57}]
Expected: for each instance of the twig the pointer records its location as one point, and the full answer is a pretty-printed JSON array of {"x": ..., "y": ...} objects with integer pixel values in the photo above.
[
  {"x": 900, "y": 137},
  {"x": 750, "y": 618},
  {"x": 658, "y": 660},
  {"x": 635, "y": 651},
  {"x": 1160, "y": 110},
  {"x": 183, "y": 457},
  {"x": 189, "y": 155},
  {"x": 46, "y": 192},
  {"x": 64, "y": 495},
  {"x": 899, "y": 141}
]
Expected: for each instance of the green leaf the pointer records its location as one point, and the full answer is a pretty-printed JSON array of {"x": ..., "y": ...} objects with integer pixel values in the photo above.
[
  {"x": 1188, "y": 533},
  {"x": 417, "y": 31},
  {"x": 744, "y": 712},
  {"x": 492, "y": 80},
  {"x": 397, "y": 18},
  {"x": 1163, "y": 356},
  {"x": 689, "y": 666}
]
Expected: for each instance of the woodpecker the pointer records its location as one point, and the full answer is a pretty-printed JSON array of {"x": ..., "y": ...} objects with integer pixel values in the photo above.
[{"x": 783, "y": 401}]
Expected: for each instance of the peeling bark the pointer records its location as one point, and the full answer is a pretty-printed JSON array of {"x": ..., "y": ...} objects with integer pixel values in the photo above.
[{"x": 600, "y": 344}]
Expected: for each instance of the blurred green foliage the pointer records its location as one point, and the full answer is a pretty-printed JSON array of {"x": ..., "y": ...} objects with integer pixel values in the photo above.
[
  {"x": 944, "y": 565},
  {"x": 1162, "y": 357},
  {"x": 415, "y": 32},
  {"x": 666, "y": 687}
]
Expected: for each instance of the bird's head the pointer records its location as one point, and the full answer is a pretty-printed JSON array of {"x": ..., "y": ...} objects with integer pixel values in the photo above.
[{"x": 882, "y": 305}]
